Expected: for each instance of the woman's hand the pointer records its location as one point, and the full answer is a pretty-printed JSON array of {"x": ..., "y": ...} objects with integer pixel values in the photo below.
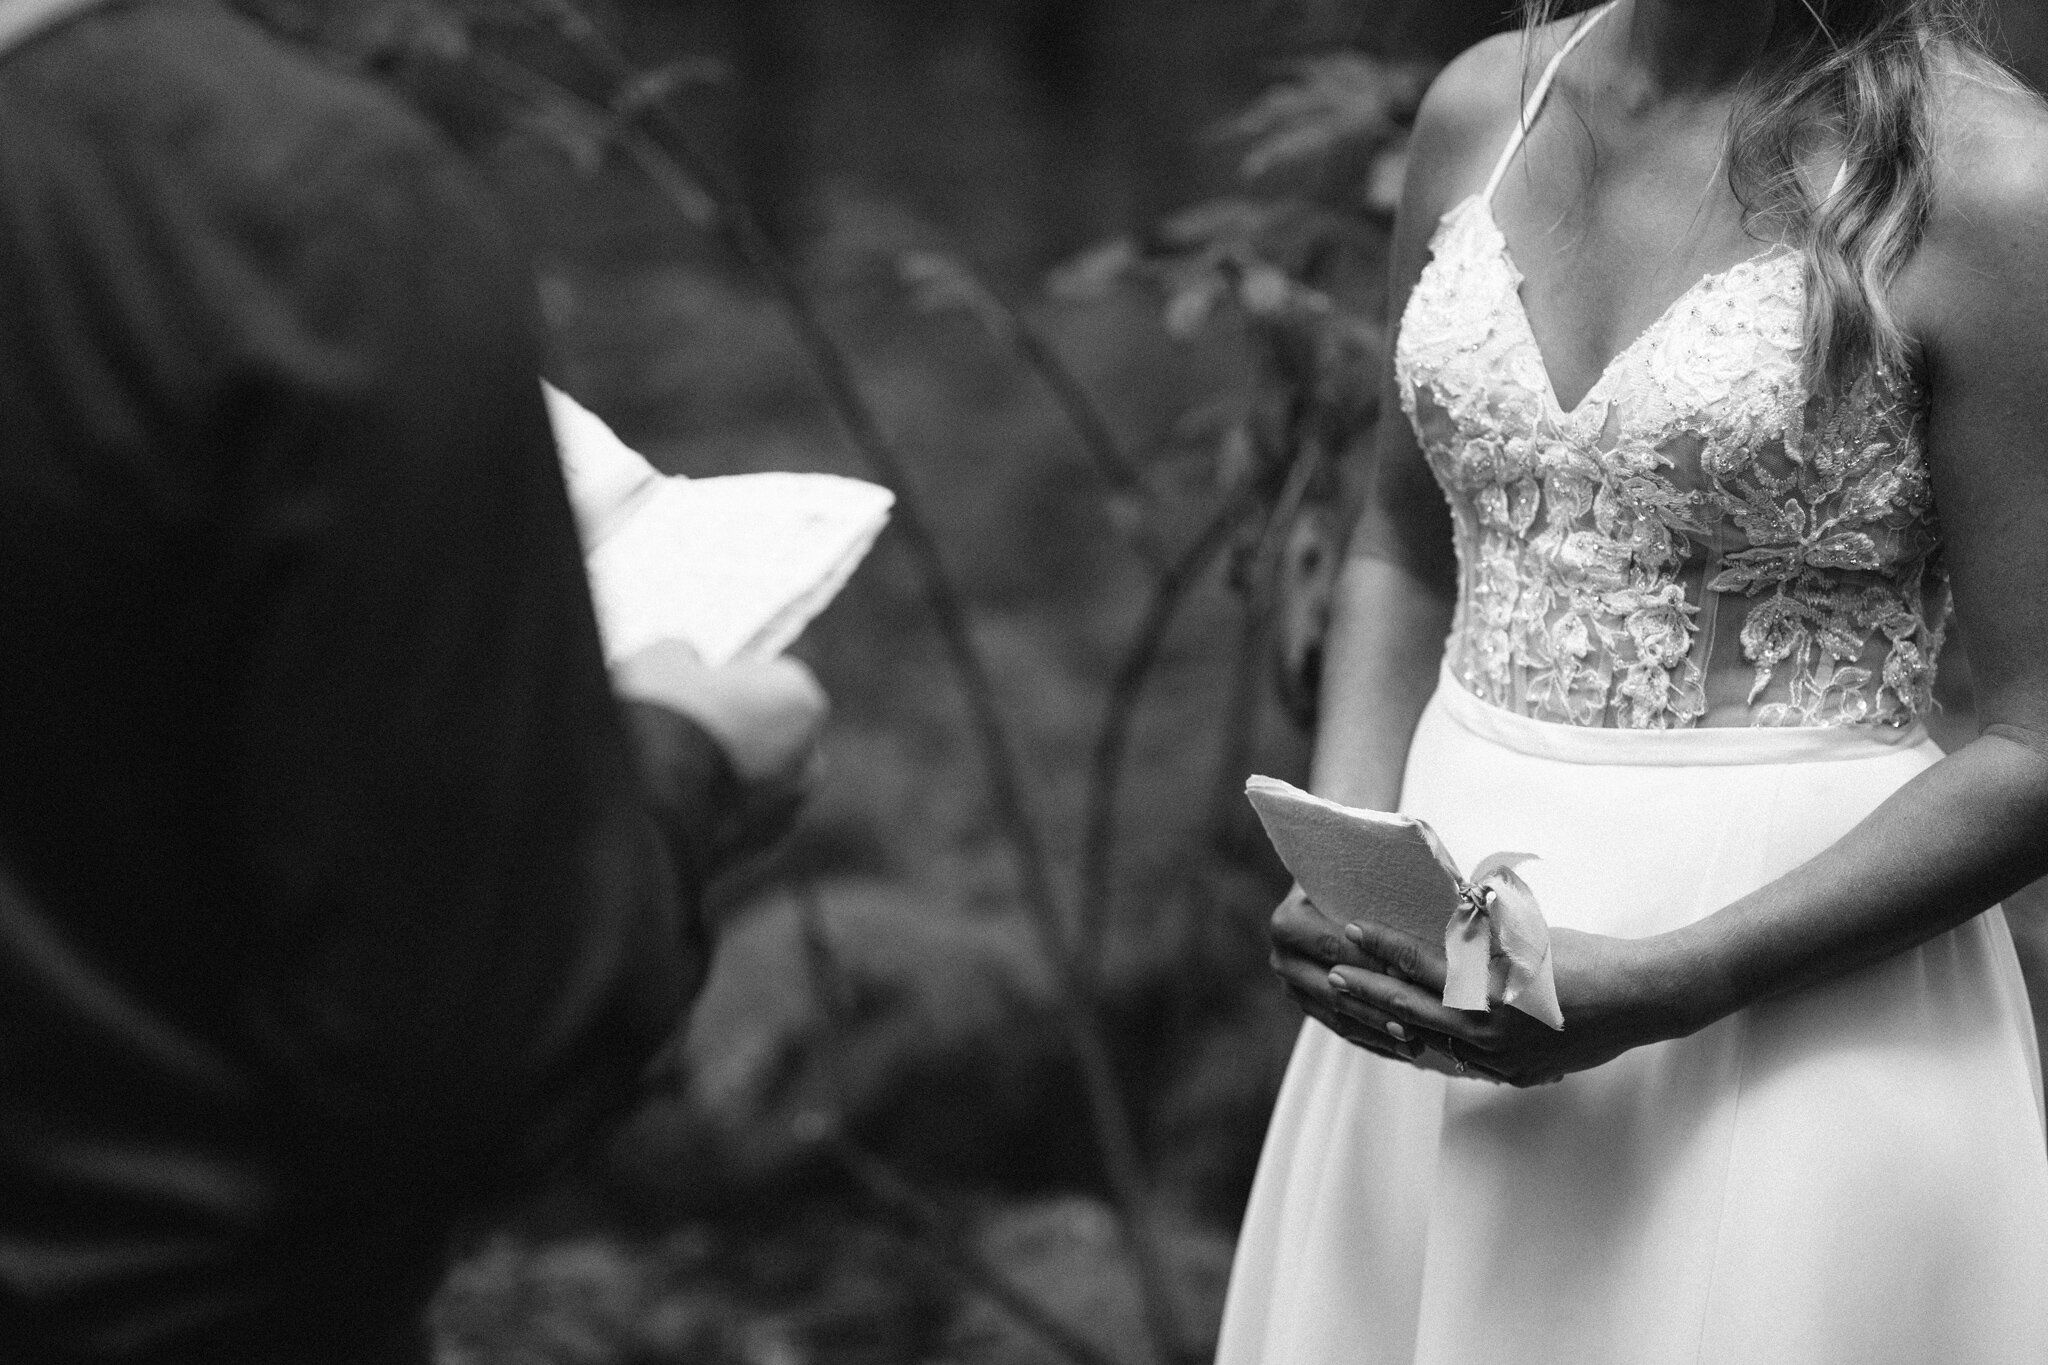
[
  {"x": 1307, "y": 944},
  {"x": 1614, "y": 992}
]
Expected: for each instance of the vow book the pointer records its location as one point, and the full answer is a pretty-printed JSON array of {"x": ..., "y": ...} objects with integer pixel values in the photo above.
[
  {"x": 735, "y": 566},
  {"x": 1358, "y": 864}
]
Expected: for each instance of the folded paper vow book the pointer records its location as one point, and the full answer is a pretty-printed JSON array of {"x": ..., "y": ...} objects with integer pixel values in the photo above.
[
  {"x": 1359, "y": 864},
  {"x": 735, "y": 566}
]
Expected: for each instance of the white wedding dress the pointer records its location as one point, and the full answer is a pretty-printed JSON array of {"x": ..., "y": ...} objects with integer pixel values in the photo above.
[{"x": 1851, "y": 1174}]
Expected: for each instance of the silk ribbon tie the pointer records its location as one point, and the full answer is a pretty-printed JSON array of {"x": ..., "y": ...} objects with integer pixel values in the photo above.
[{"x": 1497, "y": 945}]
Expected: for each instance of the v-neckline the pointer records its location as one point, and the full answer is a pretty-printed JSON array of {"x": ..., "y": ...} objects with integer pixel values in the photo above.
[{"x": 1765, "y": 257}]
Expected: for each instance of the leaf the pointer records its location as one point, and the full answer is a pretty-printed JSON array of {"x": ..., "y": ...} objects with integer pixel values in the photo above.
[
  {"x": 1229, "y": 221},
  {"x": 1845, "y": 550},
  {"x": 1236, "y": 455},
  {"x": 650, "y": 88},
  {"x": 689, "y": 198},
  {"x": 1756, "y": 568},
  {"x": 1189, "y": 308},
  {"x": 1384, "y": 181},
  {"x": 940, "y": 284},
  {"x": 1849, "y": 681},
  {"x": 1337, "y": 103},
  {"x": 427, "y": 32},
  {"x": 582, "y": 137},
  {"x": 1264, "y": 291},
  {"x": 1095, "y": 272}
]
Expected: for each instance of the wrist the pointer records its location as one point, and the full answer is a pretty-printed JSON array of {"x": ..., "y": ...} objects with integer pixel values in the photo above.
[{"x": 1685, "y": 987}]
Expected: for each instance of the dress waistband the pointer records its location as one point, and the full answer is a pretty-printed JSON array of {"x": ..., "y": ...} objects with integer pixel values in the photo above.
[{"x": 1714, "y": 746}]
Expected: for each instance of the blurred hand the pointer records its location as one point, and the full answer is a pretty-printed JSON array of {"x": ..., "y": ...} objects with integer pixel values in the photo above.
[
  {"x": 767, "y": 716},
  {"x": 1307, "y": 944}
]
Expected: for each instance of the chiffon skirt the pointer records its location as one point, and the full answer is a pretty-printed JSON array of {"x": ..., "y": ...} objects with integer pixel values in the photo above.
[{"x": 1854, "y": 1173}]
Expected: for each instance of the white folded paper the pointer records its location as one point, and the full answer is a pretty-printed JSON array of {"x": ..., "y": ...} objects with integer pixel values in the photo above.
[
  {"x": 607, "y": 478},
  {"x": 1372, "y": 865},
  {"x": 735, "y": 566}
]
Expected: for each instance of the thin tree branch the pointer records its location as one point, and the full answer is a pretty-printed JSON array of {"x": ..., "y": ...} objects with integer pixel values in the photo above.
[
  {"x": 1086, "y": 418},
  {"x": 942, "y": 279},
  {"x": 1110, "y": 1119},
  {"x": 1082, "y": 413},
  {"x": 1089, "y": 424},
  {"x": 1119, "y": 715}
]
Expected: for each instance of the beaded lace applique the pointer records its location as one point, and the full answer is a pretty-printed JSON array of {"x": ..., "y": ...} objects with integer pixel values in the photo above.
[{"x": 1689, "y": 519}]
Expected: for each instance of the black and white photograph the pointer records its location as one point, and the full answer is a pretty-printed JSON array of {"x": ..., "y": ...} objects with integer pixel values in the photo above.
[{"x": 1023, "y": 682}]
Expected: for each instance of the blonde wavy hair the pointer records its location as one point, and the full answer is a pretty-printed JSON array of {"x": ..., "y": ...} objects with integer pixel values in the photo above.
[{"x": 1861, "y": 77}]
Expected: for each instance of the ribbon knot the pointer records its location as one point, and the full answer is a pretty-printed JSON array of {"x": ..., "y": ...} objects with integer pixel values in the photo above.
[{"x": 1498, "y": 945}]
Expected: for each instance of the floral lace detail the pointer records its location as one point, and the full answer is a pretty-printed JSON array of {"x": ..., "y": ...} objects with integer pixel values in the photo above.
[{"x": 1689, "y": 538}]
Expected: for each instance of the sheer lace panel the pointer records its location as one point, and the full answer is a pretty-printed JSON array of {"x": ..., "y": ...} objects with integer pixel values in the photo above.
[{"x": 1691, "y": 543}]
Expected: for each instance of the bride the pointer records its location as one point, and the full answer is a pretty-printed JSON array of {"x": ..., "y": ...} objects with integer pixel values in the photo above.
[{"x": 1723, "y": 357}]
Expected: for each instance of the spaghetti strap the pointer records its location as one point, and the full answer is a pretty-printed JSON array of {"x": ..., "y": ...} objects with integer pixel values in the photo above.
[{"x": 1537, "y": 96}]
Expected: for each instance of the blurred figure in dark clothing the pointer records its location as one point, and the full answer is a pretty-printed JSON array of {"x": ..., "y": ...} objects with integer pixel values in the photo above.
[{"x": 339, "y": 895}]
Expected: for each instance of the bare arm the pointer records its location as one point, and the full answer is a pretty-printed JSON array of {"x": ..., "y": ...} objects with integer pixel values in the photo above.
[
  {"x": 1387, "y": 630},
  {"x": 1393, "y": 602},
  {"x": 1392, "y": 607},
  {"x": 2026, "y": 911}
]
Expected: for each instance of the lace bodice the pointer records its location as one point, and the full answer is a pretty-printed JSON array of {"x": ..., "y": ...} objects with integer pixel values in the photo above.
[{"x": 1690, "y": 537}]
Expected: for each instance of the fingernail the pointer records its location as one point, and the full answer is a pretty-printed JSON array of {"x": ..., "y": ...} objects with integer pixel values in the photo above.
[
  {"x": 1354, "y": 933},
  {"x": 1394, "y": 1029},
  {"x": 1337, "y": 983}
]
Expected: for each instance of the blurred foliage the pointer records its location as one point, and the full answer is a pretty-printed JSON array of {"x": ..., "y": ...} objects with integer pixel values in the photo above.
[
  {"x": 885, "y": 1135},
  {"x": 1299, "y": 259},
  {"x": 877, "y": 1140}
]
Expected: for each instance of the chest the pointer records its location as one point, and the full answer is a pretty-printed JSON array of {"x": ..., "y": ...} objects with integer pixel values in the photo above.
[
  {"x": 1718, "y": 366},
  {"x": 1605, "y": 245},
  {"x": 1697, "y": 442}
]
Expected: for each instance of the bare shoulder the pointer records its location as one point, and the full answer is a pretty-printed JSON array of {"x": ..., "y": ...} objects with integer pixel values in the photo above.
[
  {"x": 1464, "y": 121},
  {"x": 1480, "y": 86},
  {"x": 1990, "y": 153},
  {"x": 1975, "y": 293}
]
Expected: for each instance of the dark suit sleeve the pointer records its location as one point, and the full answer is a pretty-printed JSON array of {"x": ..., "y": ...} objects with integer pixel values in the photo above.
[
  {"x": 337, "y": 893},
  {"x": 475, "y": 897}
]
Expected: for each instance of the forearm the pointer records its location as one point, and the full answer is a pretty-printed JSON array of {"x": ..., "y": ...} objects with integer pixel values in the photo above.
[
  {"x": 1944, "y": 848},
  {"x": 1386, "y": 637},
  {"x": 2026, "y": 913},
  {"x": 1953, "y": 724}
]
